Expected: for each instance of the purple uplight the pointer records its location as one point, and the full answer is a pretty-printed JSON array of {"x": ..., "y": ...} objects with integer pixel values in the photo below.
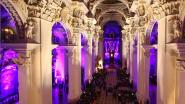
[
  {"x": 154, "y": 34},
  {"x": 9, "y": 54},
  {"x": 8, "y": 76},
  {"x": 8, "y": 81},
  {"x": 59, "y": 34},
  {"x": 59, "y": 66},
  {"x": 84, "y": 40},
  {"x": 112, "y": 29},
  {"x": 153, "y": 76}
]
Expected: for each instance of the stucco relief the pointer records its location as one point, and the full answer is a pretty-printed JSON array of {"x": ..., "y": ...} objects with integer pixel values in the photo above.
[
  {"x": 140, "y": 10},
  {"x": 174, "y": 27},
  {"x": 29, "y": 28}
]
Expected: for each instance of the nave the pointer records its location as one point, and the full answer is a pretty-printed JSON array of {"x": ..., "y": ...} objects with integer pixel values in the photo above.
[{"x": 109, "y": 86}]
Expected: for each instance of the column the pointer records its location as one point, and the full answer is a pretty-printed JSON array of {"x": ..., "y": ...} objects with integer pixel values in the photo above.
[
  {"x": 24, "y": 69},
  {"x": 46, "y": 61},
  {"x": 170, "y": 77},
  {"x": 128, "y": 58},
  {"x": 161, "y": 62},
  {"x": 74, "y": 71},
  {"x": 146, "y": 75},
  {"x": 180, "y": 92},
  {"x": 100, "y": 46},
  {"x": 89, "y": 58},
  {"x": 131, "y": 61},
  {"x": 124, "y": 49},
  {"x": 140, "y": 66},
  {"x": 35, "y": 93}
]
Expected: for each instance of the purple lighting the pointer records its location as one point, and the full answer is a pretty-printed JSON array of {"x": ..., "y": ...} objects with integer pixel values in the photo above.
[
  {"x": 59, "y": 66},
  {"x": 112, "y": 43},
  {"x": 8, "y": 77},
  {"x": 154, "y": 34},
  {"x": 59, "y": 34},
  {"x": 8, "y": 25}
]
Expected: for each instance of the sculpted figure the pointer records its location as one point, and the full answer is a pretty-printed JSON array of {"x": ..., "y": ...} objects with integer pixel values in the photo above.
[
  {"x": 177, "y": 28},
  {"x": 141, "y": 10},
  {"x": 29, "y": 29}
]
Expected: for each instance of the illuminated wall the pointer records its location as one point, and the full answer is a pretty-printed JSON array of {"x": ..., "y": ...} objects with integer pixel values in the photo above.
[{"x": 112, "y": 43}]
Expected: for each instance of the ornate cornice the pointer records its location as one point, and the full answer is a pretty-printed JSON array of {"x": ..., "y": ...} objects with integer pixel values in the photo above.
[
  {"x": 49, "y": 12},
  {"x": 166, "y": 8}
]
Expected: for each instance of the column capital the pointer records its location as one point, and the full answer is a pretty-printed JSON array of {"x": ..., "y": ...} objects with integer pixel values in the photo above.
[
  {"x": 147, "y": 52},
  {"x": 23, "y": 58},
  {"x": 180, "y": 63}
]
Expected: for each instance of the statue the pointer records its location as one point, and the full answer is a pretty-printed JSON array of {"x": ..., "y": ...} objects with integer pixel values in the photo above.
[
  {"x": 29, "y": 29},
  {"x": 174, "y": 29},
  {"x": 141, "y": 10},
  {"x": 177, "y": 28}
]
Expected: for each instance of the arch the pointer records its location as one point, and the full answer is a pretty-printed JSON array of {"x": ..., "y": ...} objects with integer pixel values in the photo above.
[
  {"x": 152, "y": 32},
  {"x": 102, "y": 23},
  {"x": 110, "y": 10},
  {"x": 60, "y": 34},
  {"x": 97, "y": 2},
  {"x": 12, "y": 9},
  {"x": 112, "y": 27}
]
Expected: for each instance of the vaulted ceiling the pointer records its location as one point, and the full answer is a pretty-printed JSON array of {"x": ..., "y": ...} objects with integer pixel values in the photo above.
[{"x": 110, "y": 10}]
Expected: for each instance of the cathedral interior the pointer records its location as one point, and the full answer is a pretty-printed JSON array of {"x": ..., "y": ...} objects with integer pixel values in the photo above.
[{"x": 92, "y": 51}]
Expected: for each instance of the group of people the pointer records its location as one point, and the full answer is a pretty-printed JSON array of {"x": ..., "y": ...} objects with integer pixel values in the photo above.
[{"x": 119, "y": 88}]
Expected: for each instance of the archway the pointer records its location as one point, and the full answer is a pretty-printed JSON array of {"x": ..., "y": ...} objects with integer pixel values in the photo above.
[
  {"x": 153, "y": 63},
  {"x": 112, "y": 44},
  {"x": 8, "y": 26},
  {"x": 59, "y": 64},
  {"x": 135, "y": 61}
]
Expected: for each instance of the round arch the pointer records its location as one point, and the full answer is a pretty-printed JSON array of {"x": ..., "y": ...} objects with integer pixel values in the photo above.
[
  {"x": 97, "y": 2},
  {"x": 60, "y": 34},
  {"x": 152, "y": 32},
  {"x": 110, "y": 10},
  {"x": 16, "y": 16}
]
